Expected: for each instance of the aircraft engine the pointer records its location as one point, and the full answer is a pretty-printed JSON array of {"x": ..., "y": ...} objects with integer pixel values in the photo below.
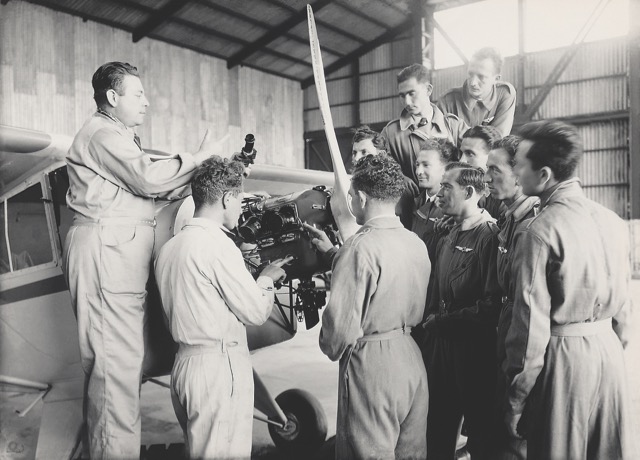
[{"x": 271, "y": 229}]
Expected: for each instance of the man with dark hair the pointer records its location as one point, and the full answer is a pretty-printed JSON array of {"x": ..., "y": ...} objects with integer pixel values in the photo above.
[
  {"x": 567, "y": 391},
  {"x": 366, "y": 142},
  {"x": 475, "y": 147},
  {"x": 433, "y": 157},
  {"x": 459, "y": 349},
  {"x": 503, "y": 185},
  {"x": 483, "y": 99},
  {"x": 377, "y": 296},
  {"x": 420, "y": 120},
  {"x": 209, "y": 297},
  {"x": 108, "y": 252}
]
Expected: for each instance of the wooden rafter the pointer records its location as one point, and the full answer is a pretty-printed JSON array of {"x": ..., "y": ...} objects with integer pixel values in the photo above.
[
  {"x": 273, "y": 33},
  {"x": 157, "y": 18},
  {"x": 384, "y": 38}
]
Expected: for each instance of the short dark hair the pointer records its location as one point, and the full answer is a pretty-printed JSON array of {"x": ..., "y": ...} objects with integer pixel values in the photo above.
[
  {"x": 489, "y": 53},
  {"x": 489, "y": 134},
  {"x": 214, "y": 177},
  {"x": 110, "y": 76},
  {"x": 556, "y": 145},
  {"x": 417, "y": 71},
  {"x": 468, "y": 175},
  {"x": 447, "y": 150},
  {"x": 379, "y": 176},
  {"x": 363, "y": 132},
  {"x": 510, "y": 145}
]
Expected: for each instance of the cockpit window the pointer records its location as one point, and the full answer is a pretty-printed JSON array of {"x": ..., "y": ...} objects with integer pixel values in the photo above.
[{"x": 24, "y": 234}]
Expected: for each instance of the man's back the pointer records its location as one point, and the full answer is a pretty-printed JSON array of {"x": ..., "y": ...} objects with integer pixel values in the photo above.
[
  {"x": 586, "y": 250},
  {"x": 206, "y": 290}
]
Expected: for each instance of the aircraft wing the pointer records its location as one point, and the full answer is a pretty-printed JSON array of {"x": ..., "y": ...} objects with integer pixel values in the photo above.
[{"x": 24, "y": 152}]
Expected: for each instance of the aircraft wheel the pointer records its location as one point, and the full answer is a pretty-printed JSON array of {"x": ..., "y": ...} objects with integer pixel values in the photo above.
[{"x": 306, "y": 429}]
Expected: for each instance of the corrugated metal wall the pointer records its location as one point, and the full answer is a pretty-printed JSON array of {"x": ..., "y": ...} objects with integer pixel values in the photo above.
[
  {"x": 47, "y": 60},
  {"x": 595, "y": 82}
]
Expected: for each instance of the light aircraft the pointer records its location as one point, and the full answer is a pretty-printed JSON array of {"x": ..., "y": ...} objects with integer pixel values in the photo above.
[{"x": 38, "y": 330}]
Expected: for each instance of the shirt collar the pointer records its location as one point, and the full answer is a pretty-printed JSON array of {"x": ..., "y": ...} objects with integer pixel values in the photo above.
[
  {"x": 470, "y": 102},
  {"x": 383, "y": 221},
  {"x": 564, "y": 188},
  {"x": 207, "y": 224},
  {"x": 521, "y": 206},
  {"x": 472, "y": 222},
  {"x": 113, "y": 118},
  {"x": 437, "y": 118}
]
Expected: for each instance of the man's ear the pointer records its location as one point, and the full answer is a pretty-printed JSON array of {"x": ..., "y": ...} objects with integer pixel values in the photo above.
[
  {"x": 468, "y": 192},
  {"x": 429, "y": 88},
  {"x": 546, "y": 175},
  {"x": 362, "y": 197},
  {"x": 112, "y": 97},
  {"x": 226, "y": 197}
]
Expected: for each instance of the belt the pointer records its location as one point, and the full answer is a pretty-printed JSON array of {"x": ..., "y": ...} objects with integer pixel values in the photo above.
[
  {"x": 103, "y": 221},
  {"x": 581, "y": 329},
  {"x": 214, "y": 346},
  {"x": 394, "y": 334}
]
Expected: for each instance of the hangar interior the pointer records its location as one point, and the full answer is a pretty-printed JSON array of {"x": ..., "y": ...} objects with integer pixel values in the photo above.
[{"x": 244, "y": 66}]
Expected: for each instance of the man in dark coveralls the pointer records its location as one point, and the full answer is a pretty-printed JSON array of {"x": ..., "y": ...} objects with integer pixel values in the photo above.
[
  {"x": 459, "y": 349},
  {"x": 504, "y": 186},
  {"x": 567, "y": 388}
]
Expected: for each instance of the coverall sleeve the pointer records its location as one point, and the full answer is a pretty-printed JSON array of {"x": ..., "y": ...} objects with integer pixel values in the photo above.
[
  {"x": 625, "y": 319},
  {"x": 487, "y": 308},
  {"x": 505, "y": 111},
  {"x": 251, "y": 301},
  {"x": 530, "y": 329},
  {"x": 141, "y": 174},
  {"x": 353, "y": 285},
  {"x": 458, "y": 128}
]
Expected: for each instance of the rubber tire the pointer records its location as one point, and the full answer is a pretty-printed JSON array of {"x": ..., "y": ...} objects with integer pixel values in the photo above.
[{"x": 312, "y": 424}]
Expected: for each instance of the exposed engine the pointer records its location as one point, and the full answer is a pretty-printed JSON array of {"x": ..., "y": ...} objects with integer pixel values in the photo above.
[{"x": 271, "y": 229}]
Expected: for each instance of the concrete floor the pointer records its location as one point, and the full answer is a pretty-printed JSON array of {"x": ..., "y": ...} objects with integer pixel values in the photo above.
[{"x": 297, "y": 363}]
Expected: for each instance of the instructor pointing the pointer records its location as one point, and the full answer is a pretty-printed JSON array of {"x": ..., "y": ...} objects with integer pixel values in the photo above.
[{"x": 108, "y": 252}]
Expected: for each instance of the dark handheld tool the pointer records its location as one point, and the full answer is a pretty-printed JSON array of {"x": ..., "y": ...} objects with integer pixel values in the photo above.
[{"x": 248, "y": 154}]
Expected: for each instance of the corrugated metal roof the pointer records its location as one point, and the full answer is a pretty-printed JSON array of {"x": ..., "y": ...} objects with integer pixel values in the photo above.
[{"x": 269, "y": 35}]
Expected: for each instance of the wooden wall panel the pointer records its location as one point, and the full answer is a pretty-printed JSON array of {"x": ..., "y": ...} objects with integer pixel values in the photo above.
[{"x": 47, "y": 60}]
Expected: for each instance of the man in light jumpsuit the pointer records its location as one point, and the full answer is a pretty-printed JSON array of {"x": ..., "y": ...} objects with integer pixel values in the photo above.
[
  {"x": 378, "y": 293},
  {"x": 567, "y": 389},
  {"x": 209, "y": 296},
  {"x": 108, "y": 252}
]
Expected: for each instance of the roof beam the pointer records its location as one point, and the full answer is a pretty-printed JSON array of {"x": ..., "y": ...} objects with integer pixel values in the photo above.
[
  {"x": 320, "y": 22},
  {"x": 157, "y": 18},
  {"x": 256, "y": 22},
  {"x": 564, "y": 62},
  {"x": 274, "y": 33},
  {"x": 385, "y": 37},
  {"x": 361, "y": 14},
  {"x": 233, "y": 39}
]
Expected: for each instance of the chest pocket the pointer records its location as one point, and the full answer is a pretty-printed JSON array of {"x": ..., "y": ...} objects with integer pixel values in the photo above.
[{"x": 463, "y": 276}]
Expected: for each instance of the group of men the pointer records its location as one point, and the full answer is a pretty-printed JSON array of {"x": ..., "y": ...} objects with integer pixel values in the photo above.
[
  {"x": 482, "y": 285},
  {"x": 526, "y": 312}
]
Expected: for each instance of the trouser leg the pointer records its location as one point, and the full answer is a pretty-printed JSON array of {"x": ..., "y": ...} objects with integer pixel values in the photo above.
[
  {"x": 445, "y": 410},
  {"x": 383, "y": 413},
  {"x": 476, "y": 374},
  {"x": 215, "y": 391},
  {"x": 579, "y": 407},
  {"x": 107, "y": 269}
]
